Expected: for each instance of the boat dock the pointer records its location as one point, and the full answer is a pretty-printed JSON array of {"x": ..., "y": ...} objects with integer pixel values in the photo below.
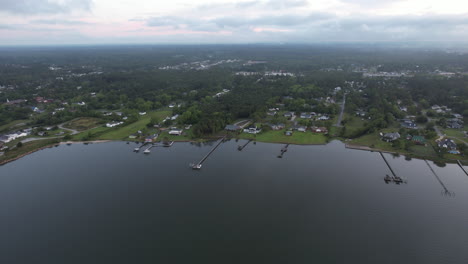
[
  {"x": 198, "y": 165},
  {"x": 446, "y": 191},
  {"x": 394, "y": 177},
  {"x": 137, "y": 149},
  {"x": 283, "y": 150},
  {"x": 240, "y": 148},
  {"x": 461, "y": 166}
]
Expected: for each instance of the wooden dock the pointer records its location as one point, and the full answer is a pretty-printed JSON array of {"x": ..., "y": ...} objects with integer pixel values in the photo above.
[
  {"x": 240, "y": 148},
  {"x": 198, "y": 165},
  {"x": 394, "y": 177},
  {"x": 461, "y": 166},
  {"x": 446, "y": 191}
]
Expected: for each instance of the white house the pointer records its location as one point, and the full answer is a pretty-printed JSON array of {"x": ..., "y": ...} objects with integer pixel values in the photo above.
[
  {"x": 113, "y": 124},
  {"x": 176, "y": 132}
]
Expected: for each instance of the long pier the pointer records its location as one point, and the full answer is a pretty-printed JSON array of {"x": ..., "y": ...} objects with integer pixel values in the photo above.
[
  {"x": 199, "y": 164},
  {"x": 395, "y": 178},
  {"x": 446, "y": 191},
  {"x": 461, "y": 166},
  {"x": 240, "y": 148}
]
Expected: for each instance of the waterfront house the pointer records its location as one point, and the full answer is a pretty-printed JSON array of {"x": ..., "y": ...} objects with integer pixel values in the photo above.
[
  {"x": 306, "y": 115},
  {"x": 447, "y": 144},
  {"x": 252, "y": 130},
  {"x": 419, "y": 140},
  {"x": 175, "y": 132},
  {"x": 142, "y": 113},
  {"x": 289, "y": 114},
  {"x": 151, "y": 138},
  {"x": 174, "y": 117},
  {"x": 389, "y": 137}
]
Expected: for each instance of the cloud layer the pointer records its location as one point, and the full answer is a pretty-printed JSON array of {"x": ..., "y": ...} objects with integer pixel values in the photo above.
[{"x": 223, "y": 21}]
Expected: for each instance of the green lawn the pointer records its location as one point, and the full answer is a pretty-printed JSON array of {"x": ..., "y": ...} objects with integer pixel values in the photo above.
[
  {"x": 455, "y": 132},
  {"x": 27, "y": 147},
  {"x": 122, "y": 132},
  {"x": 13, "y": 124},
  {"x": 83, "y": 123},
  {"x": 279, "y": 137}
]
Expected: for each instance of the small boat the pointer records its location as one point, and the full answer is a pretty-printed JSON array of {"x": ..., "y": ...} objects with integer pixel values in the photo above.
[
  {"x": 195, "y": 166},
  {"x": 86, "y": 143},
  {"x": 69, "y": 143},
  {"x": 387, "y": 178},
  {"x": 147, "y": 151},
  {"x": 239, "y": 147},
  {"x": 128, "y": 142},
  {"x": 136, "y": 149},
  {"x": 397, "y": 179}
]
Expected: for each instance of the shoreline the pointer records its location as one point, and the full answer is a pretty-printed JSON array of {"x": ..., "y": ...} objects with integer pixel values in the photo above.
[
  {"x": 49, "y": 146},
  {"x": 346, "y": 145}
]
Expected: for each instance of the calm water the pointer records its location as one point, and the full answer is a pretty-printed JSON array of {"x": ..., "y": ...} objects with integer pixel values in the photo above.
[{"x": 102, "y": 203}]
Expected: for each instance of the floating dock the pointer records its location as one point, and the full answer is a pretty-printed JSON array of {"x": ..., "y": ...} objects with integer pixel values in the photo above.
[
  {"x": 240, "y": 148},
  {"x": 198, "y": 165},
  {"x": 394, "y": 177},
  {"x": 461, "y": 166}
]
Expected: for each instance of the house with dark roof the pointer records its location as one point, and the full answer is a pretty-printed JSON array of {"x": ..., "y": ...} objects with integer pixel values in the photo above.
[
  {"x": 454, "y": 124},
  {"x": 448, "y": 144},
  {"x": 389, "y": 137},
  {"x": 407, "y": 123}
]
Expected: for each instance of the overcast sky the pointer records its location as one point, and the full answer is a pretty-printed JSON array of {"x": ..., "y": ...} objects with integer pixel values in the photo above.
[{"x": 31, "y": 22}]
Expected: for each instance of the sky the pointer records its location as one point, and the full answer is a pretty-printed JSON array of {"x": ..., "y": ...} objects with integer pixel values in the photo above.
[{"x": 58, "y": 22}]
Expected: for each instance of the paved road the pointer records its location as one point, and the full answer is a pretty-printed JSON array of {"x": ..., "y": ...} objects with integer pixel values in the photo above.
[
  {"x": 73, "y": 131},
  {"x": 340, "y": 118}
]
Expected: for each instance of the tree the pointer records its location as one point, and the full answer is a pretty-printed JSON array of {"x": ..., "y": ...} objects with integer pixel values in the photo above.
[
  {"x": 19, "y": 145},
  {"x": 421, "y": 119}
]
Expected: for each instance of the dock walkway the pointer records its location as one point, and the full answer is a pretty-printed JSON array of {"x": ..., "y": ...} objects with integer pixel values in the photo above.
[
  {"x": 198, "y": 165},
  {"x": 461, "y": 166}
]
